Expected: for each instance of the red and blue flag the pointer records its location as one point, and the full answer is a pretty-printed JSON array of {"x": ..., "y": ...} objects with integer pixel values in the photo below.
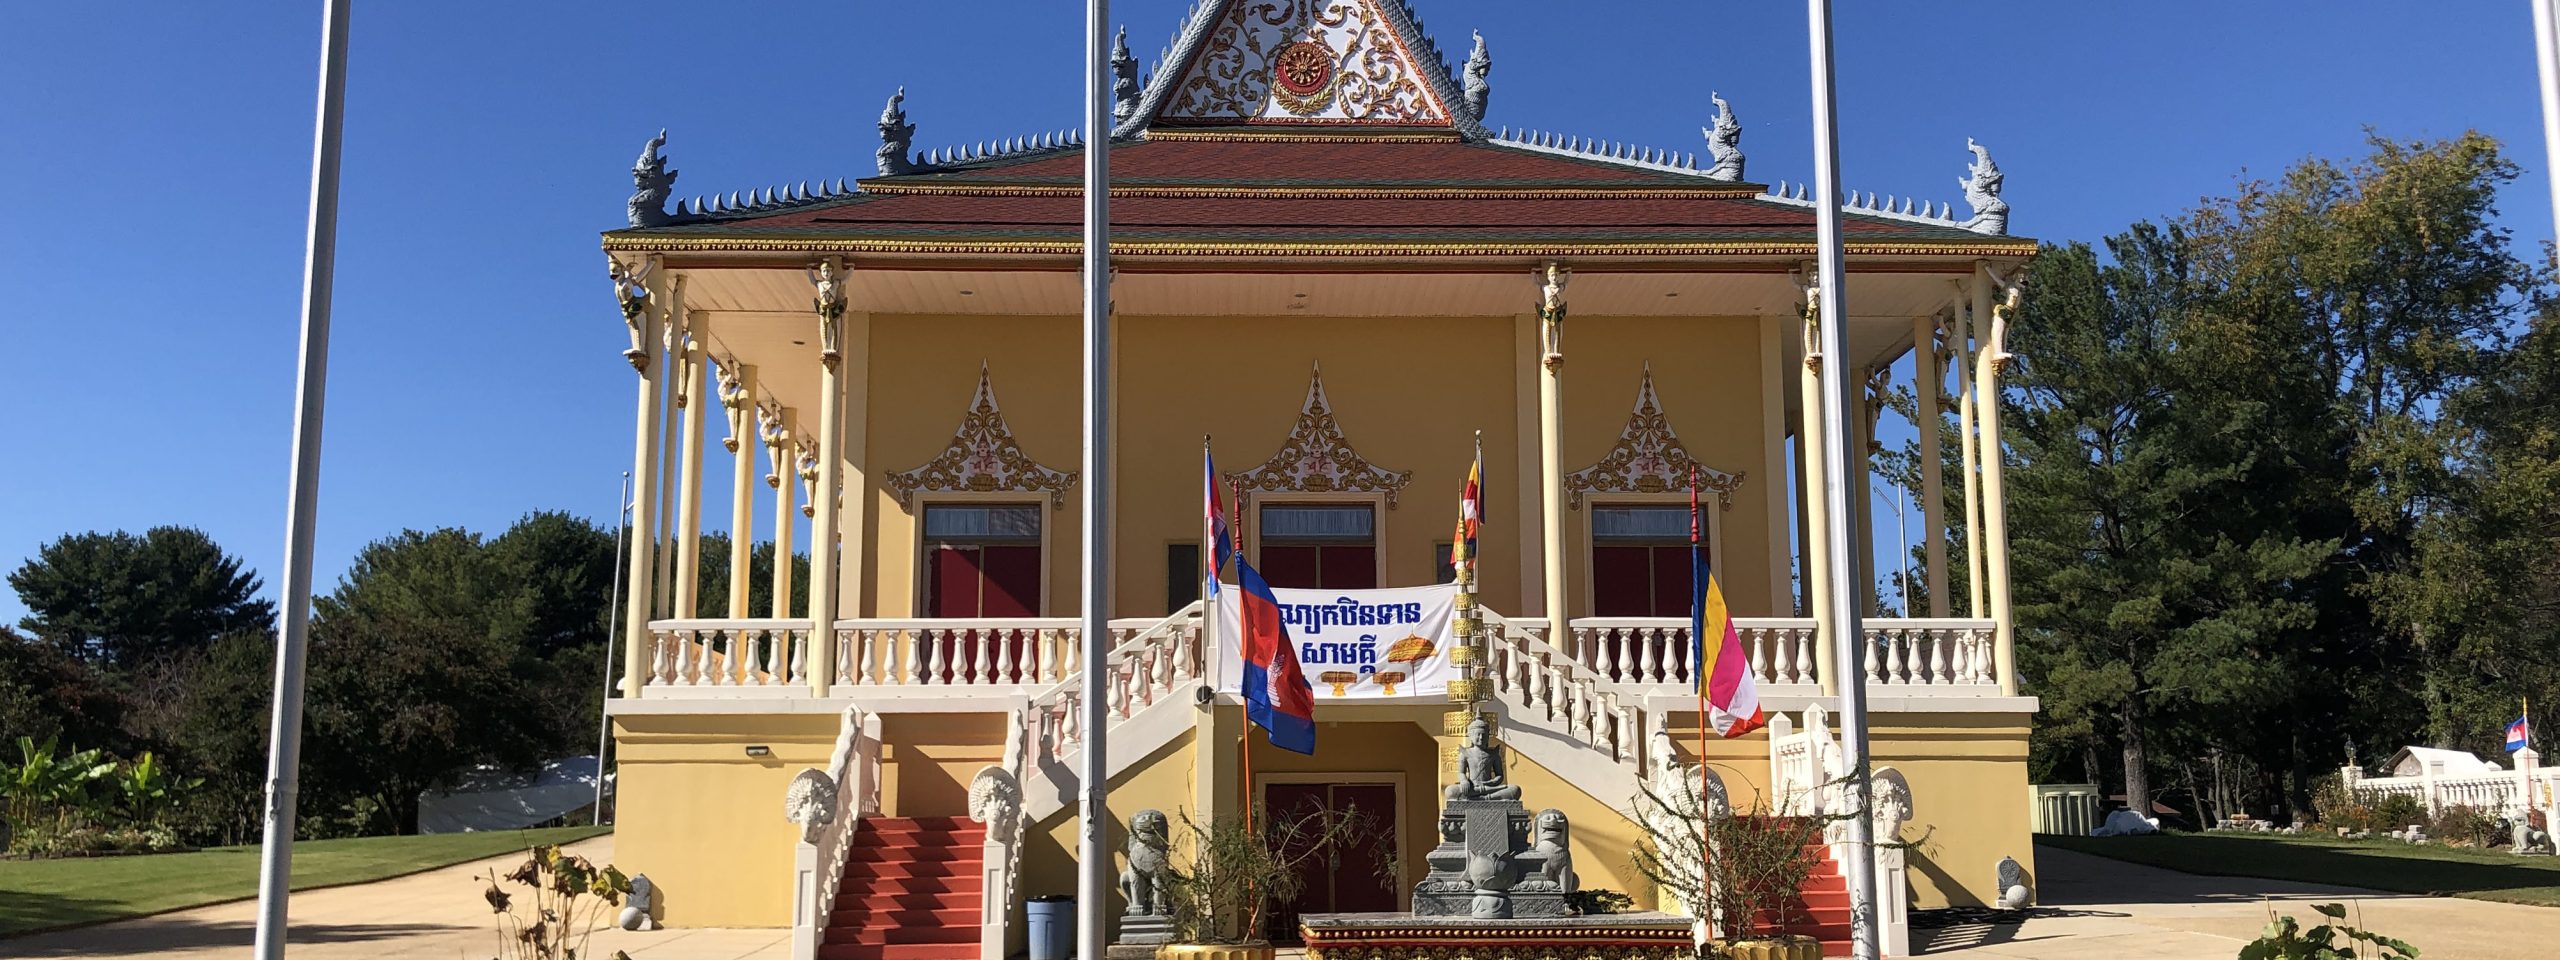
[
  {"x": 2516, "y": 735},
  {"x": 1277, "y": 696},
  {"x": 1216, "y": 541}
]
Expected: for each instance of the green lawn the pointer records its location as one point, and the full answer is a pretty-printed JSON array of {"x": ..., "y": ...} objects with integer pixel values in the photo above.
[
  {"x": 44, "y": 894},
  {"x": 2374, "y": 864}
]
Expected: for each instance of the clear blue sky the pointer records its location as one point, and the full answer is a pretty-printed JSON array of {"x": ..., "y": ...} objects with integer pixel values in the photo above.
[{"x": 156, "y": 164}]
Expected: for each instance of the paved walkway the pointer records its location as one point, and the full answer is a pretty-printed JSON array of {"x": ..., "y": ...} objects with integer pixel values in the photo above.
[
  {"x": 437, "y": 914},
  {"x": 2096, "y": 907}
]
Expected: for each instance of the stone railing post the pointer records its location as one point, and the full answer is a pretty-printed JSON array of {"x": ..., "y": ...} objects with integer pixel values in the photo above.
[{"x": 2427, "y": 774}]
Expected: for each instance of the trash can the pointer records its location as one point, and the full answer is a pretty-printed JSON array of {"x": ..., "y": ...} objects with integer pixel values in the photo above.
[{"x": 1053, "y": 926}]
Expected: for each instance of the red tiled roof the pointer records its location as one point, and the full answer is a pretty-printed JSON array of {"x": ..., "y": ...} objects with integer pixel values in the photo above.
[{"x": 1303, "y": 161}]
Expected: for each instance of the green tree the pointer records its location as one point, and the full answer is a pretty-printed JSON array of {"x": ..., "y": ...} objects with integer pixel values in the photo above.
[
  {"x": 46, "y": 693},
  {"x": 559, "y": 571},
  {"x": 121, "y": 600}
]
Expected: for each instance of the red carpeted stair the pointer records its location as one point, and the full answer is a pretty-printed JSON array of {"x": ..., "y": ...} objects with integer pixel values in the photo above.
[
  {"x": 1822, "y": 910},
  {"x": 910, "y": 891}
]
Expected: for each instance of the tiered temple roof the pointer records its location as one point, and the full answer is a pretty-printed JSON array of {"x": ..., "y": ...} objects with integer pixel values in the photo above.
[{"x": 1299, "y": 128}]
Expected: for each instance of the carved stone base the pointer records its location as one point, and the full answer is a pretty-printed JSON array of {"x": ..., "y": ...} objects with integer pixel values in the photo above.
[
  {"x": 1146, "y": 930},
  {"x": 1494, "y": 828},
  {"x": 1400, "y": 936}
]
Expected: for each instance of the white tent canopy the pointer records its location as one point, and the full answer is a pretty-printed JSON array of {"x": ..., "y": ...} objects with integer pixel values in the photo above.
[{"x": 490, "y": 798}]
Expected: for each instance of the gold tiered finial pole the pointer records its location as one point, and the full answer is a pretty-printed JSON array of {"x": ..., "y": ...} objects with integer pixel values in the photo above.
[{"x": 1467, "y": 637}]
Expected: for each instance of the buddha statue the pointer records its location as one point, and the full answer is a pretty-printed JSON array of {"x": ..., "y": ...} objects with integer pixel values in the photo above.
[{"x": 1480, "y": 768}]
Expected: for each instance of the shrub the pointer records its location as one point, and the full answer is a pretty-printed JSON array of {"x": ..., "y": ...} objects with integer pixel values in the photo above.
[
  {"x": 2396, "y": 811},
  {"x": 570, "y": 898},
  {"x": 2337, "y": 807},
  {"x": 1596, "y": 900},
  {"x": 2464, "y": 825}
]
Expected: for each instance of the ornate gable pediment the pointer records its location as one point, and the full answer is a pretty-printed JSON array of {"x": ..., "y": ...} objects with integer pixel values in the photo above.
[
  {"x": 983, "y": 458},
  {"x": 1319, "y": 62},
  {"x": 1318, "y": 459},
  {"x": 1649, "y": 459}
]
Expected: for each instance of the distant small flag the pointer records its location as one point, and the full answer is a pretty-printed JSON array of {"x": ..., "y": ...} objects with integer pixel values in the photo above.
[
  {"x": 1462, "y": 546},
  {"x": 1728, "y": 700},
  {"x": 2517, "y": 735},
  {"x": 1217, "y": 541}
]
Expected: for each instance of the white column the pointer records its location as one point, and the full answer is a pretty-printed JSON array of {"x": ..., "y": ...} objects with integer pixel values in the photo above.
[
  {"x": 1862, "y": 473},
  {"x": 1817, "y": 514},
  {"x": 1773, "y": 461},
  {"x": 640, "y": 312},
  {"x": 1995, "y": 512},
  {"x": 853, "y": 432},
  {"x": 781, "y": 443},
  {"x": 1529, "y": 496},
  {"x": 823, "y": 588},
  {"x": 1927, "y": 363},
  {"x": 1967, "y": 319},
  {"x": 663, "y": 482},
  {"x": 741, "y": 399},
  {"x": 694, "y": 390},
  {"x": 1552, "y": 277}
]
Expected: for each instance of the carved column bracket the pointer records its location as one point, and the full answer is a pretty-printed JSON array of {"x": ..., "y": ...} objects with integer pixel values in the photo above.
[
  {"x": 631, "y": 292},
  {"x": 1552, "y": 277},
  {"x": 829, "y": 278}
]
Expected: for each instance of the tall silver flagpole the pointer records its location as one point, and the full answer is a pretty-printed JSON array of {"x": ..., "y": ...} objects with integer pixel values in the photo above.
[
  {"x": 2546, "y": 47},
  {"x": 613, "y": 639},
  {"x": 1865, "y": 932},
  {"x": 319, "y": 270},
  {"x": 1093, "y": 851}
]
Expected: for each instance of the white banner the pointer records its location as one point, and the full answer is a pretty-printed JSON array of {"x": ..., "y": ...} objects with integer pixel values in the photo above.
[{"x": 1354, "y": 644}]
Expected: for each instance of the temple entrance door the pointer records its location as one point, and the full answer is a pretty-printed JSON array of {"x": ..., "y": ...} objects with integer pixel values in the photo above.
[{"x": 1351, "y": 877}]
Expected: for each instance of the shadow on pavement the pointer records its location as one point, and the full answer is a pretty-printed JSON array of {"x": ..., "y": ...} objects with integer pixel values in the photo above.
[{"x": 174, "y": 933}]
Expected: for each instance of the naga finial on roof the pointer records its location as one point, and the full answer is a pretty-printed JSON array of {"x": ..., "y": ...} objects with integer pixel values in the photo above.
[
  {"x": 1479, "y": 92},
  {"x": 1124, "y": 79},
  {"x": 896, "y": 136},
  {"x": 1724, "y": 141},
  {"x": 1982, "y": 192},
  {"x": 651, "y": 183}
]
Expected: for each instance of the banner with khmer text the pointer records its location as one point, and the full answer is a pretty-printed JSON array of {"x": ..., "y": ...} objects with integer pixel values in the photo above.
[{"x": 1355, "y": 644}]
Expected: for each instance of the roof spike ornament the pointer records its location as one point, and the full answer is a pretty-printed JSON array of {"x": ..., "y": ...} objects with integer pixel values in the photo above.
[
  {"x": 1982, "y": 192},
  {"x": 897, "y": 136},
  {"x": 1124, "y": 79},
  {"x": 1724, "y": 141},
  {"x": 651, "y": 184},
  {"x": 1478, "y": 91}
]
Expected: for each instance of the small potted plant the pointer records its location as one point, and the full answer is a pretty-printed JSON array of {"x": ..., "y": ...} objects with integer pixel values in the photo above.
[{"x": 1226, "y": 874}]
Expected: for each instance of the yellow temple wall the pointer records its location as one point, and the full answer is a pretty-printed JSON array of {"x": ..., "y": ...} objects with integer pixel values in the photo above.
[
  {"x": 1409, "y": 393},
  {"x": 704, "y": 820}
]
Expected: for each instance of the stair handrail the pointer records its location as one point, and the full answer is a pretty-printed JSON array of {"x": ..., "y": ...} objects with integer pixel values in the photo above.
[
  {"x": 1564, "y": 695},
  {"x": 1055, "y": 729},
  {"x": 829, "y": 805},
  {"x": 995, "y": 800}
]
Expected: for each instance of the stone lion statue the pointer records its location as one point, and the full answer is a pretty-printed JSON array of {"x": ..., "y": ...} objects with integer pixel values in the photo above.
[
  {"x": 1146, "y": 883},
  {"x": 810, "y": 800},
  {"x": 1554, "y": 848}
]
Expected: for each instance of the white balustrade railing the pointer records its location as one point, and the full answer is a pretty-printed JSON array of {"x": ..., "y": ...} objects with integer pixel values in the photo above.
[
  {"x": 1781, "y": 651},
  {"x": 2527, "y": 784},
  {"x": 1149, "y": 661},
  {"x": 1552, "y": 690},
  {"x": 726, "y": 653}
]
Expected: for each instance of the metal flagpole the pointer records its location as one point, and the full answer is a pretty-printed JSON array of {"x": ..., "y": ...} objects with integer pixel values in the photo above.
[
  {"x": 1093, "y": 852},
  {"x": 612, "y": 639},
  {"x": 2546, "y": 48},
  {"x": 1865, "y": 929},
  {"x": 319, "y": 271}
]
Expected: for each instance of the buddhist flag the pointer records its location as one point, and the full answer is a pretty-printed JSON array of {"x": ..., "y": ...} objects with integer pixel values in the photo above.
[
  {"x": 1462, "y": 543},
  {"x": 1727, "y": 698}
]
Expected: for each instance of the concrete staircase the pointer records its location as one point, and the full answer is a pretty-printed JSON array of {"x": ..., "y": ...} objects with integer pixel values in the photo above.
[
  {"x": 910, "y": 891},
  {"x": 1821, "y": 910}
]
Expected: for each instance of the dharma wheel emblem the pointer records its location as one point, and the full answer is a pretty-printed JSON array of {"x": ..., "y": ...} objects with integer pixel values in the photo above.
[{"x": 1303, "y": 77}]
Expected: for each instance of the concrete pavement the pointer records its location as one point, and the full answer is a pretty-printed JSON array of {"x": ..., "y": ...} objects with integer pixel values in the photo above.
[{"x": 2096, "y": 907}]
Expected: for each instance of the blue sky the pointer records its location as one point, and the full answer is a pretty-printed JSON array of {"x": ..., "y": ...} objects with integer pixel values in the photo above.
[{"x": 156, "y": 159}]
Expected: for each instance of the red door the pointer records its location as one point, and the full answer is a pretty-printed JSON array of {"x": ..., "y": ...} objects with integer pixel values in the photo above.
[
  {"x": 1348, "y": 877},
  {"x": 980, "y": 562},
  {"x": 1319, "y": 546}
]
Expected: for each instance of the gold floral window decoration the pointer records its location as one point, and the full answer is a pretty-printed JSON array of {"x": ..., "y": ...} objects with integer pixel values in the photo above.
[{"x": 983, "y": 458}]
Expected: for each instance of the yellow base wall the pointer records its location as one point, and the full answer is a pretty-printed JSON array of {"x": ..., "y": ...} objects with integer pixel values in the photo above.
[
  {"x": 704, "y": 820},
  {"x": 1968, "y": 776}
]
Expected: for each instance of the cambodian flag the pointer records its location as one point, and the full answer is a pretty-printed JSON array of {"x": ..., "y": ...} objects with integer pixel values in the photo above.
[
  {"x": 1728, "y": 700},
  {"x": 1214, "y": 535},
  {"x": 2516, "y": 735},
  {"x": 1276, "y": 693}
]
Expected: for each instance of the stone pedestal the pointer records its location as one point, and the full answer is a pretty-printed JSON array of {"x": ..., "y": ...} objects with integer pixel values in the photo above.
[
  {"x": 1482, "y": 867},
  {"x": 1145, "y": 930},
  {"x": 1618, "y": 936}
]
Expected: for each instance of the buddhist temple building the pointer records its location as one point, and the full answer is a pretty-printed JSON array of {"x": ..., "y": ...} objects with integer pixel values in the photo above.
[{"x": 1328, "y": 265}]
